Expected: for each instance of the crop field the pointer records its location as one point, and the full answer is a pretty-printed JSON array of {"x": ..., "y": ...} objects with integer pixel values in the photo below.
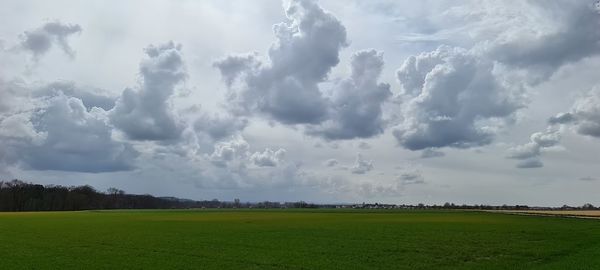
[
  {"x": 295, "y": 239},
  {"x": 563, "y": 213}
]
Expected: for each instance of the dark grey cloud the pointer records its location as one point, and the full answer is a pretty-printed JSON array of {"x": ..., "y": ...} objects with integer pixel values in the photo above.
[
  {"x": 59, "y": 126},
  {"x": 411, "y": 178},
  {"x": 535, "y": 37},
  {"x": 40, "y": 40},
  {"x": 331, "y": 162},
  {"x": 506, "y": 42},
  {"x": 236, "y": 67},
  {"x": 364, "y": 145},
  {"x": 546, "y": 139},
  {"x": 584, "y": 115},
  {"x": 448, "y": 95},
  {"x": 61, "y": 134},
  {"x": 573, "y": 36},
  {"x": 525, "y": 151},
  {"x": 431, "y": 153},
  {"x": 5, "y": 96},
  {"x": 361, "y": 165},
  {"x": 530, "y": 163},
  {"x": 219, "y": 126},
  {"x": 146, "y": 112},
  {"x": 91, "y": 97},
  {"x": 587, "y": 113},
  {"x": 530, "y": 153},
  {"x": 356, "y": 103},
  {"x": 561, "y": 118},
  {"x": 588, "y": 178},
  {"x": 333, "y": 145},
  {"x": 286, "y": 87}
]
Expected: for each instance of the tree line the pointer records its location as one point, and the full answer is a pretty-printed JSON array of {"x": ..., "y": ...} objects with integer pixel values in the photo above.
[{"x": 16, "y": 195}]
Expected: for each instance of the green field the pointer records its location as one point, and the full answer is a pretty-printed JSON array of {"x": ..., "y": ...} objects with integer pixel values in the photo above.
[{"x": 295, "y": 239}]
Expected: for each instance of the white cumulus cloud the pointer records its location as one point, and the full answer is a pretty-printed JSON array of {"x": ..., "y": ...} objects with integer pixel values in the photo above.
[{"x": 146, "y": 113}]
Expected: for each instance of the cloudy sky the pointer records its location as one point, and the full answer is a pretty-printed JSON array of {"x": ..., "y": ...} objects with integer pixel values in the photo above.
[{"x": 330, "y": 101}]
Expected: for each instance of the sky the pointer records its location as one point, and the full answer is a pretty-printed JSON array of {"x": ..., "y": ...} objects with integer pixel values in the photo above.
[{"x": 405, "y": 102}]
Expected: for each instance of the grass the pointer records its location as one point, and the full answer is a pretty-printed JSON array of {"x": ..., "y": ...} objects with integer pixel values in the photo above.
[{"x": 295, "y": 239}]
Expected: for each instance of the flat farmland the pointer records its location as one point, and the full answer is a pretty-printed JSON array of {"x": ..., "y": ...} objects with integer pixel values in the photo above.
[
  {"x": 295, "y": 239},
  {"x": 560, "y": 213}
]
